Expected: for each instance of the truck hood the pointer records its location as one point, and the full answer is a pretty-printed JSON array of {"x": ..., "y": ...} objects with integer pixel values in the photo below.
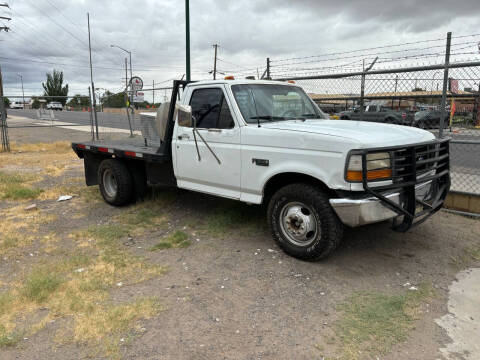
[{"x": 365, "y": 134}]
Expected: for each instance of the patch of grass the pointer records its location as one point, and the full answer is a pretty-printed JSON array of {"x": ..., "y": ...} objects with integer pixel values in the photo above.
[
  {"x": 106, "y": 325},
  {"x": 178, "y": 239},
  {"x": 373, "y": 322},
  {"x": 231, "y": 217},
  {"x": 55, "y": 147},
  {"x": 8, "y": 242},
  {"x": 20, "y": 192},
  {"x": 467, "y": 257},
  {"x": 146, "y": 216},
  {"x": 40, "y": 285},
  {"x": 106, "y": 234},
  {"x": 8, "y": 179},
  {"x": 11, "y": 187},
  {"x": 9, "y": 339}
]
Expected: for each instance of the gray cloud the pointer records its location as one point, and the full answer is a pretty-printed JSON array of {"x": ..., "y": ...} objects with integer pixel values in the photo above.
[{"x": 247, "y": 31}]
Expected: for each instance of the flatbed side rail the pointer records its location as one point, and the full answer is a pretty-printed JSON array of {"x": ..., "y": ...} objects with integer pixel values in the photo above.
[
  {"x": 413, "y": 165},
  {"x": 110, "y": 151}
]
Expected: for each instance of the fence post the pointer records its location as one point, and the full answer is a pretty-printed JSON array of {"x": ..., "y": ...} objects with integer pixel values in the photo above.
[
  {"x": 3, "y": 118},
  {"x": 268, "y": 69},
  {"x": 445, "y": 85},
  {"x": 90, "y": 112},
  {"x": 362, "y": 85},
  {"x": 362, "y": 94}
]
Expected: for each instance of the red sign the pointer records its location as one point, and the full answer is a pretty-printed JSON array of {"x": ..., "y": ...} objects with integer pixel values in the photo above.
[{"x": 452, "y": 110}]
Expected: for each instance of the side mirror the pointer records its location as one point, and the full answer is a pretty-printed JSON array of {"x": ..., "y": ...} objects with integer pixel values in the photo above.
[{"x": 184, "y": 115}]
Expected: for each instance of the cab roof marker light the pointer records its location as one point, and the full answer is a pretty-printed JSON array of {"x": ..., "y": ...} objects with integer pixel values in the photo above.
[
  {"x": 81, "y": 146},
  {"x": 102, "y": 149},
  {"x": 229, "y": 77}
]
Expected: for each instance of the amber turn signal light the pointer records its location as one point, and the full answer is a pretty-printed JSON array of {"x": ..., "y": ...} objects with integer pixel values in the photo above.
[{"x": 371, "y": 175}]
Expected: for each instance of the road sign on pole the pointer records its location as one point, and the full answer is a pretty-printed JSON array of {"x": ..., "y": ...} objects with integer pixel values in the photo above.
[{"x": 136, "y": 83}]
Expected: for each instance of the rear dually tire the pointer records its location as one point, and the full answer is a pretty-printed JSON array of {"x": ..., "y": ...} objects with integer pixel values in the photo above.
[{"x": 115, "y": 182}]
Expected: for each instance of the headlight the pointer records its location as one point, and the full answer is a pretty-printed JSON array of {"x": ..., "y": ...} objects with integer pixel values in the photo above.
[{"x": 378, "y": 167}]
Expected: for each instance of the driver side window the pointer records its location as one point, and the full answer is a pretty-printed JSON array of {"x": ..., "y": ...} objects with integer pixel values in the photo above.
[{"x": 210, "y": 109}]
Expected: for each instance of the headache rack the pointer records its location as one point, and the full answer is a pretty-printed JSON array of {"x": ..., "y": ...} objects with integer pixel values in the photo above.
[{"x": 412, "y": 165}]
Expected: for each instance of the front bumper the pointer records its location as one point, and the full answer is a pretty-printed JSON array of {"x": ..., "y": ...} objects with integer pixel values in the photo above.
[
  {"x": 370, "y": 209},
  {"x": 420, "y": 183}
]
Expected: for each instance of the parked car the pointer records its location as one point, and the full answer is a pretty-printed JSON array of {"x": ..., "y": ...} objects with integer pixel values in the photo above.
[
  {"x": 16, "y": 105},
  {"x": 54, "y": 105},
  {"x": 430, "y": 119},
  {"x": 377, "y": 113}
]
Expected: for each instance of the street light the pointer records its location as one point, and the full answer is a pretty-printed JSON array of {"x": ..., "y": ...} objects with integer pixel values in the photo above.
[
  {"x": 129, "y": 53},
  {"x": 23, "y": 94}
]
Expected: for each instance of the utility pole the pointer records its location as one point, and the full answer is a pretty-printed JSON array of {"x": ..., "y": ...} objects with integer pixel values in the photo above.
[
  {"x": 3, "y": 118},
  {"x": 445, "y": 85},
  {"x": 215, "y": 46},
  {"x": 126, "y": 98},
  {"x": 23, "y": 93},
  {"x": 126, "y": 74},
  {"x": 153, "y": 92},
  {"x": 187, "y": 38},
  {"x": 94, "y": 107}
]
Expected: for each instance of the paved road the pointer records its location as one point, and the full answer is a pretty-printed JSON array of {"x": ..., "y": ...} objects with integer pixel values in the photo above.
[
  {"x": 118, "y": 121},
  {"x": 465, "y": 157}
]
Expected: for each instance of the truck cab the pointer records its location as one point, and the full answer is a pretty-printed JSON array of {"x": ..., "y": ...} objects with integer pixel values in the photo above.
[{"x": 267, "y": 142}]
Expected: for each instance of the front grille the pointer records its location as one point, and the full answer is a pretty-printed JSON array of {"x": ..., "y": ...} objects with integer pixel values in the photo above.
[{"x": 413, "y": 163}]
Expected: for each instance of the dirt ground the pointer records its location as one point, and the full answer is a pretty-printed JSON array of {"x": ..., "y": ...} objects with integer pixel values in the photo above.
[{"x": 189, "y": 276}]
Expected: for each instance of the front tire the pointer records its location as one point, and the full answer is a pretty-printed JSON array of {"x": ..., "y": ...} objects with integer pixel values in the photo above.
[
  {"x": 303, "y": 223},
  {"x": 116, "y": 183}
]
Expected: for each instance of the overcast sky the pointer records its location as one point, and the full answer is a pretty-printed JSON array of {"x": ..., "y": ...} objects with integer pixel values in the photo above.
[{"x": 48, "y": 34}]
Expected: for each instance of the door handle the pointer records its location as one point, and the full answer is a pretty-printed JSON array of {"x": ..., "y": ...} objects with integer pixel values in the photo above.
[
  {"x": 183, "y": 136},
  {"x": 215, "y": 130}
]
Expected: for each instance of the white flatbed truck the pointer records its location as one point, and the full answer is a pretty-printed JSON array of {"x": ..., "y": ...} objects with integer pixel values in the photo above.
[{"x": 266, "y": 142}]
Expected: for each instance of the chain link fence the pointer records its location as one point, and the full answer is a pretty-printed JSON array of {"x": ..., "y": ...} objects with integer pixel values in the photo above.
[{"x": 443, "y": 99}]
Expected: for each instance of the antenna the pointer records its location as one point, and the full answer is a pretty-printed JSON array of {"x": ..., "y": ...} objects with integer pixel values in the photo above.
[{"x": 255, "y": 105}]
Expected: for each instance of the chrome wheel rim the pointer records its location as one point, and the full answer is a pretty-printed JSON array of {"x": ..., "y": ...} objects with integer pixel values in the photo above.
[
  {"x": 299, "y": 224},
  {"x": 109, "y": 183}
]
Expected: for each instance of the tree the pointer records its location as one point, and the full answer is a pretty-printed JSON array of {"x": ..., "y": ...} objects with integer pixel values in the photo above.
[
  {"x": 114, "y": 100},
  {"x": 54, "y": 87},
  {"x": 79, "y": 101},
  {"x": 35, "y": 103},
  {"x": 6, "y": 101}
]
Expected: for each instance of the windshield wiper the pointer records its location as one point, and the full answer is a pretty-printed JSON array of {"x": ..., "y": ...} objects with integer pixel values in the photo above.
[
  {"x": 268, "y": 117},
  {"x": 311, "y": 116}
]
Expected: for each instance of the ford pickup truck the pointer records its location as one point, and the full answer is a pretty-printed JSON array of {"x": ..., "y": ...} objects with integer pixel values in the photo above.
[{"x": 267, "y": 142}]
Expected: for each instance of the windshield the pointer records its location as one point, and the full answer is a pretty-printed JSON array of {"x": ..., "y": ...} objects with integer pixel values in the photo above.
[{"x": 267, "y": 102}]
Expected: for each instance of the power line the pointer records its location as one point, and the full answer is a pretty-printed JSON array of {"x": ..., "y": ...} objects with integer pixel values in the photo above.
[
  {"x": 59, "y": 25},
  {"x": 374, "y": 48},
  {"x": 80, "y": 66}
]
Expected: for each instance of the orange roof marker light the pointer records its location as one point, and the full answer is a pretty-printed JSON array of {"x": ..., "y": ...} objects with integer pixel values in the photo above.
[
  {"x": 230, "y": 77},
  {"x": 291, "y": 81}
]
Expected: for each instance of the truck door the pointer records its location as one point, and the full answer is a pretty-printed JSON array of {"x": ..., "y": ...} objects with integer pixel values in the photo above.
[{"x": 208, "y": 159}]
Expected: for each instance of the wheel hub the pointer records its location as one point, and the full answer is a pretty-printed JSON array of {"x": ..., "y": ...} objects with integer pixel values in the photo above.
[
  {"x": 299, "y": 224},
  {"x": 109, "y": 183}
]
